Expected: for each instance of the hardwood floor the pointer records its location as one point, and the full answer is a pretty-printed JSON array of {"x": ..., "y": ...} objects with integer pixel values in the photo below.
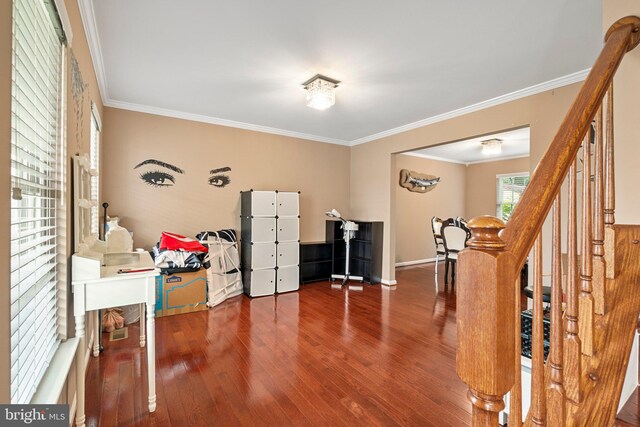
[{"x": 320, "y": 356}]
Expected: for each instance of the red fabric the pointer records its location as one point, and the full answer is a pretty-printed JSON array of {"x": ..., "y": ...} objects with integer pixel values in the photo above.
[{"x": 176, "y": 242}]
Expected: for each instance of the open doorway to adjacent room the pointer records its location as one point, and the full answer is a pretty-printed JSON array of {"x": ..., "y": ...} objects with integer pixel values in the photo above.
[{"x": 483, "y": 175}]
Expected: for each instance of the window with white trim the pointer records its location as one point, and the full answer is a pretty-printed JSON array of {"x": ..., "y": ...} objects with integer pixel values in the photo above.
[
  {"x": 94, "y": 160},
  {"x": 509, "y": 189},
  {"x": 37, "y": 79}
]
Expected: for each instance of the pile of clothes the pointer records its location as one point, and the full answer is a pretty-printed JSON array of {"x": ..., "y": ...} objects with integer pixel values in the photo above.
[
  {"x": 178, "y": 254},
  {"x": 216, "y": 251}
]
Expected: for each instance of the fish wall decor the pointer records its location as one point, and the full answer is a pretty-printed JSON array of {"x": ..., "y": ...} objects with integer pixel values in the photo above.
[{"x": 417, "y": 182}]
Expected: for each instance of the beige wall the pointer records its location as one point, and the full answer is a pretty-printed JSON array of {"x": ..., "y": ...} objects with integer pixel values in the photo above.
[
  {"x": 480, "y": 193},
  {"x": 372, "y": 194},
  {"x": 414, "y": 237},
  {"x": 373, "y": 170},
  {"x": 627, "y": 112},
  {"x": 465, "y": 191},
  {"x": 257, "y": 160}
]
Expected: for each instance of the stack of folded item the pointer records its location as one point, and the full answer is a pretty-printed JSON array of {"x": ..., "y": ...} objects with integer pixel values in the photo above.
[{"x": 178, "y": 254}]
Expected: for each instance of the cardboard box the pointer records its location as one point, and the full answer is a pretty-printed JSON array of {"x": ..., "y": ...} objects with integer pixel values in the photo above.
[{"x": 181, "y": 293}]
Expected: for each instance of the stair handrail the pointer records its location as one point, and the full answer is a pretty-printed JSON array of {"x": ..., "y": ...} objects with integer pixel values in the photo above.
[
  {"x": 488, "y": 269},
  {"x": 527, "y": 218}
]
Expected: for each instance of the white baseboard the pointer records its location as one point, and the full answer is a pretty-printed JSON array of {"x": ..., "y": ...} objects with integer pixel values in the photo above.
[
  {"x": 417, "y": 261},
  {"x": 388, "y": 282}
]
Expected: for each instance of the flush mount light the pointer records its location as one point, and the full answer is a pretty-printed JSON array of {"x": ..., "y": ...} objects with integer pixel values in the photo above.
[
  {"x": 321, "y": 91},
  {"x": 491, "y": 147}
]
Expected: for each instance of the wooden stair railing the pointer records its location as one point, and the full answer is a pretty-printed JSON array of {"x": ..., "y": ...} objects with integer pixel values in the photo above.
[{"x": 488, "y": 330}]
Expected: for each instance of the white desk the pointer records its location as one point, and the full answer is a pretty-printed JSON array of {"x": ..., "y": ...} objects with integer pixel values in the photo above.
[{"x": 96, "y": 287}]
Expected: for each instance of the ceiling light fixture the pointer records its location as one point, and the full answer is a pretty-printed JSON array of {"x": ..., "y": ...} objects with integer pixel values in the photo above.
[
  {"x": 321, "y": 91},
  {"x": 491, "y": 147}
]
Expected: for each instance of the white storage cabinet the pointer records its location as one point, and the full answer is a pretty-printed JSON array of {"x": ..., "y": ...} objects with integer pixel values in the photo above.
[{"x": 270, "y": 245}]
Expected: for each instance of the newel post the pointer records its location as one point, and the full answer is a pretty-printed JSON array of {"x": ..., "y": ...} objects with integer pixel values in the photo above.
[{"x": 485, "y": 320}]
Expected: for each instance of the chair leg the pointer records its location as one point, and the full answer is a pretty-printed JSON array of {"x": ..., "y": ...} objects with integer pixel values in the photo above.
[
  {"x": 446, "y": 270},
  {"x": 453, "y": 271},
  {"x": 436, "y": 275}
]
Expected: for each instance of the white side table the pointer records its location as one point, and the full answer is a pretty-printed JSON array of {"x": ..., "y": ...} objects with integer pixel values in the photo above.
[{"x": 111, "y": 289}]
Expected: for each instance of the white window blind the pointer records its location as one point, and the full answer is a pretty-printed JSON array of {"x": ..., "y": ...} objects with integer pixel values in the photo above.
[
  {"x": 509, "y": 189},
  {"x": 35, "y": 127},
  {"x": 94, "y": 159}
]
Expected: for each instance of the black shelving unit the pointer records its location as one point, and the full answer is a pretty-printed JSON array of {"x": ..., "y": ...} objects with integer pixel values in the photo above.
[
  {"x": 315, "y": 261},
  {"x": 526, "y": 325},
  {"x": 366, "y": 249}
]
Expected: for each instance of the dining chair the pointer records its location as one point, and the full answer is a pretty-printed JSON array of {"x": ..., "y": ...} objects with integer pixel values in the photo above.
[
  {"x": 436, "y": 226},
  {"x": 454, "y": 237}
]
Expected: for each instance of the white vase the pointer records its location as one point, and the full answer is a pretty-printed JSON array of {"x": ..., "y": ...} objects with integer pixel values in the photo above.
[{"x": 118, "y": 238}]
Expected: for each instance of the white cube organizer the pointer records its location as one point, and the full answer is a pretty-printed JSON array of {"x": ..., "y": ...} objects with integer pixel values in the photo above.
[{"x": 270, "y": 246}]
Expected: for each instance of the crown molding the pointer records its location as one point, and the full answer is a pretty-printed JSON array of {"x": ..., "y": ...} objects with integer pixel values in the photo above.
[
  {"x": 522, "y": 93},
  {"x": 460, "y": 162},
  {"x": 221, "y": 122},
  {"x": 87, "y": 14},
  {"x": 91, "y": 30},
  {"x": 439, "y": 159},
  {"x": 88, "y": 17}
]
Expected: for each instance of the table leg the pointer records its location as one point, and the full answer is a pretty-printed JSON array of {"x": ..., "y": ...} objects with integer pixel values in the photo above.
[
  {"x": 142, "y": 332},
  {"x": 96, "y": 333},
  {"x": 151, "y": 355},
  {"x": 80, "y": 370}
]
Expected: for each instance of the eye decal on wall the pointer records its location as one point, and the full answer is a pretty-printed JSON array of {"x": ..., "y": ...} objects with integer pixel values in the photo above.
[
  {"x": 218, "y": 178},
  {"x": 158, "y": 178}
]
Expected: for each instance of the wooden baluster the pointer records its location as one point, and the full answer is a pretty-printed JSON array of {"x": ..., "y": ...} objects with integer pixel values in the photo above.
[
  {"x": 609, "y": 192},
  {"x": 538, "y": 403},
  {"x": 585, "y": 319},
  {"x": 572, "y": 345},
  {"x": 598, "y": 276},
  {"x": 515, "y": 396},
  {"x": 555, "y": 389},
  {"x": 486, "y": 274}
]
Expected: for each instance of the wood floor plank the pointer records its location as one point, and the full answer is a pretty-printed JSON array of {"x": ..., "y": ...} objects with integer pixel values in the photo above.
[
  {"x": 317, "y": 357},
  {"x": 125, "y": 393}
]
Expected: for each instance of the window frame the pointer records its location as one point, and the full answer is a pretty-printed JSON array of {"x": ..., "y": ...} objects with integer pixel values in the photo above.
[
  {"x": 33, "y": 110},
  {"x": 500, "y": 202},
  {"x": 94, "y": 160}
]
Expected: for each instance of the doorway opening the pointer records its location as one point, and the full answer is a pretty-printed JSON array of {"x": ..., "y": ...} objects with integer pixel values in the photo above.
[{"x": 460, "y": 179}]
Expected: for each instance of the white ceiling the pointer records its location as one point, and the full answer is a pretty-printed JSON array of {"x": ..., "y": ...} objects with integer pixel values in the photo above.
[
  {"x": 515, "y": 143},
  {"x": 402, "y": 64}
]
